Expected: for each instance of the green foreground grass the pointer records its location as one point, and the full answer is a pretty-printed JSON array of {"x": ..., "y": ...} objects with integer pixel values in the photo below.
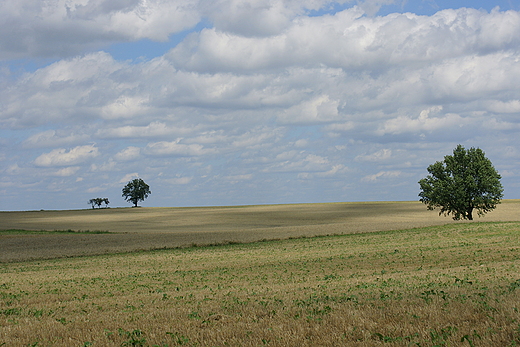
[{"x": 452, "y": 285}]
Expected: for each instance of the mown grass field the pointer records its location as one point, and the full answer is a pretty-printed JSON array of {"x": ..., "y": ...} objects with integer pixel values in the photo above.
[{"x": 445, "y": 285}]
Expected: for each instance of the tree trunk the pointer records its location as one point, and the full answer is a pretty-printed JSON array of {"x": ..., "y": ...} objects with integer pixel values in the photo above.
[{"x": 470, "y": 213}]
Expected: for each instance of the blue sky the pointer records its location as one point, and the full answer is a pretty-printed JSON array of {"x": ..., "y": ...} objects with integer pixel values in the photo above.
[{"x": 267, "y": 101}]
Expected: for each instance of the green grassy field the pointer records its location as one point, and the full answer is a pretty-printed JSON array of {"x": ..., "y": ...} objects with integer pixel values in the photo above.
[{"x": 450, "y": 285}]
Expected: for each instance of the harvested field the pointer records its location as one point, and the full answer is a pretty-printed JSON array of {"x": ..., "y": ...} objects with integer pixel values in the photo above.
[
  {"x": 451, "y": 285},
  {"x": 132, "y": 229}
]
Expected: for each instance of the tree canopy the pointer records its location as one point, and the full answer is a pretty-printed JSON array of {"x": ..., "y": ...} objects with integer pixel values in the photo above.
[
  {"x": 98, "y": 201},
  {"x": 136, "y": 190},
  {"x": 463, "y": 182}
]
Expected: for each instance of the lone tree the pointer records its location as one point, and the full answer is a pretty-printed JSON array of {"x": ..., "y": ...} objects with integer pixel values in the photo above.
[
  {"x": 92, "y": 202},
  {"x": 136, "y": 190},
  {"x": 461, "y": 183}
]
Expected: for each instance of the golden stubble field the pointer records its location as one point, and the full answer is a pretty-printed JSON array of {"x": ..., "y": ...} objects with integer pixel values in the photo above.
[
  {"x": 132, "y": 229},
  {"x": 456, "y": 284}
]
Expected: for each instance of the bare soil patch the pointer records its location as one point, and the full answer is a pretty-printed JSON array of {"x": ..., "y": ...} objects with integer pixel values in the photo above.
[{"x": 132, "y": 229}]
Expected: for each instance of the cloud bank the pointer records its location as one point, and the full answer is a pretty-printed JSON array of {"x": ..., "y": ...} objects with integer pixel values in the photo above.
[{"x": 269, "y": 102}]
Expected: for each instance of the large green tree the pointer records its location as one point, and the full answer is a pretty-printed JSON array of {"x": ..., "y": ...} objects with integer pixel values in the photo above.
[
  {"x": 463, "y": 182},
  {"x": 136, "y": 190}
]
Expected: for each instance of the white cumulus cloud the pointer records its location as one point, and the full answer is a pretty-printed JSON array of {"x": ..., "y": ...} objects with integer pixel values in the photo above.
[
  {"x": 129, "y": 153},
  {"x": 175, "y": 148},
  {"x": 381, "y": 155},
  {"x": 425, "y": 122},
  {"x": 382, "y": 175},
  {"x": 33, "y": 28},
  {"x": 63, "y": 157}
]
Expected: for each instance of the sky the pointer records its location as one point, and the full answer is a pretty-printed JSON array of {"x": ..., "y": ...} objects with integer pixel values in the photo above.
[{"x": 230, "y": 102}]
